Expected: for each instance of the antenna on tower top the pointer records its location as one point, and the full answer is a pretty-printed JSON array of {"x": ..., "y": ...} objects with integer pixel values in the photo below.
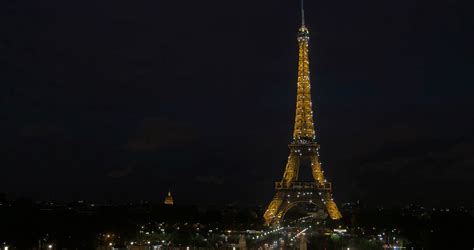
[{"x": 302, "y": 13}]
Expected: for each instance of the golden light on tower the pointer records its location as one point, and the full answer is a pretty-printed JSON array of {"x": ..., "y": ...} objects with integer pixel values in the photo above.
[{"x": 290, "y": 192}]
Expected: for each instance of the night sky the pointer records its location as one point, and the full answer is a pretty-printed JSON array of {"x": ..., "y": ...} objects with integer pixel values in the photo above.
[{"x": 122, "y": 100}]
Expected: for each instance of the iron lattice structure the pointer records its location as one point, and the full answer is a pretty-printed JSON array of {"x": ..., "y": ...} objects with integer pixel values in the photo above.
[{"x": 290, "y": 192}]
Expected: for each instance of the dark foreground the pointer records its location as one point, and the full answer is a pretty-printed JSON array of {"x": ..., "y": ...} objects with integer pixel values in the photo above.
[{"x": 81, "y": 225}]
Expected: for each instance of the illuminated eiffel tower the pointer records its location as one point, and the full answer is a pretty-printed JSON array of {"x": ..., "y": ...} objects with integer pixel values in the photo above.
[{"x": 290, "y": 192}]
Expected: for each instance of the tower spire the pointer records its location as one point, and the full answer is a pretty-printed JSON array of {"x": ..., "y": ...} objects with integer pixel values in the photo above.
[
  {"x": 304, "y": 125},
  {"x": 302, "y": 13}
]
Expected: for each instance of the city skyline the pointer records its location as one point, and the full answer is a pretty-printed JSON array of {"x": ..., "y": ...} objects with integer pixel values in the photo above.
[{"x": 124, "y": 102}]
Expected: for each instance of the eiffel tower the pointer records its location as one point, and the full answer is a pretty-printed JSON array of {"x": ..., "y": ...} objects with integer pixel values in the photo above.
[{"x": 290, "y": 192}]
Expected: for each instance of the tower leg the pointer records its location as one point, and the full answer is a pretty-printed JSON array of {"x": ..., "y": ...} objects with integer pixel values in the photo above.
[
  {"x": 316, "y": 170},
  {"x": 291, "y": 170},
  {"x": 326, "y": 195},
  {"x": 273, "y": 209}
]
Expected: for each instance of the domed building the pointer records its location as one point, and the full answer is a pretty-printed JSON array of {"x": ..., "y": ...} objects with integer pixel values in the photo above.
[{"x": 169, "y": 199}]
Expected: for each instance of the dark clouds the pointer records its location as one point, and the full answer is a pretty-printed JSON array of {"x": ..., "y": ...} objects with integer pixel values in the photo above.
[
  {"x": 418, "y": 170},
  {"x": 115, "y": 99},
  {"x": 155, "y": 134}
]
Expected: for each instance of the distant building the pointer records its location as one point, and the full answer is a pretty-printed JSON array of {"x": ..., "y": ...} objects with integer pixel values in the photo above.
[{"x": 169, "y": 199}]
